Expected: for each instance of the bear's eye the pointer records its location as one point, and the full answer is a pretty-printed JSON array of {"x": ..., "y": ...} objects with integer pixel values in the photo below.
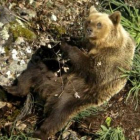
[
  {"x": 99, "y": 25},
  {"x": 89, "y": 21}
]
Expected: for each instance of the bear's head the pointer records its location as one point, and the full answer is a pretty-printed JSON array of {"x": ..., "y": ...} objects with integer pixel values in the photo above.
[{"x": 101, "y": 26}]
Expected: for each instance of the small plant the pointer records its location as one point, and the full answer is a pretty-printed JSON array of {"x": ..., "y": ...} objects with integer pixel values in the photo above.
[{"x": 109, "y": 133}]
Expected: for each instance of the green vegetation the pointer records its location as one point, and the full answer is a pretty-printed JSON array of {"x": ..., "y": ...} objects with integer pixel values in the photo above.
[
  {"x": 17, "y": 137},
  {"x": 109, "y": 133},
  {"x": 90, "y": 111},
  {"x": 131, "y": 22},
  {"x": 134, "y": 78},
  {"x": 11, "y": 138},
  {"x": 20, "y": 31}
]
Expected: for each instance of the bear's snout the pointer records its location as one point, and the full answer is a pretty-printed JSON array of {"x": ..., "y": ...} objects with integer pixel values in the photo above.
[{"x": 89, "y": 31}]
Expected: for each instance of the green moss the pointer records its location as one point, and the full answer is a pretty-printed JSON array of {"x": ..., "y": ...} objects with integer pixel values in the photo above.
[
  {"x": 61, "y": 30},
  {"x": 6, "y": 48},
  {"x": 58, "y": 31},
  {"x": 19, "y": 31}
]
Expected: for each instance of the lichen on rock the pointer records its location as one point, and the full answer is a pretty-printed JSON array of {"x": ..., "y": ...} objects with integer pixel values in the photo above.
[{"x": 18, "y": 30}]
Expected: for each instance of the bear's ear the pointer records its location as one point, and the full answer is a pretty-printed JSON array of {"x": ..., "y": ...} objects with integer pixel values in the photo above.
[
  {"x": 92, "y": 10},
  {"x": 115, "y": 17}
]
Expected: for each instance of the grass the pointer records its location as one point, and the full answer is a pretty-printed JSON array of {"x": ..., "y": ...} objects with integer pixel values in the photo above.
[
  {"x": 131, "y": 22},
  {"x": 88, "y": 112},
  {"x": 134, "y": 78},
  {"x": 17, "y": 137}
]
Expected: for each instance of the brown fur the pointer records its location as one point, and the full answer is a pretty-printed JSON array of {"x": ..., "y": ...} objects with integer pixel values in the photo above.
[{"x": 96, "y": 77}]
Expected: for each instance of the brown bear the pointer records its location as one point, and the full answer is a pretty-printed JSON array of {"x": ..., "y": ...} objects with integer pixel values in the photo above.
[{"x": 96, "y": 76}]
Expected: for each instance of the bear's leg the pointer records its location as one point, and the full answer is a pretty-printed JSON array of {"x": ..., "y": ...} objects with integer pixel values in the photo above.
[
  {"x": 64, "y": 109},
  {"x": 29, "y": 78}
]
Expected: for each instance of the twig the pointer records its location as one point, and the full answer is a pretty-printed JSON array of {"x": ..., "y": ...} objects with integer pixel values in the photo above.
[{"x": 60, "y": 75}]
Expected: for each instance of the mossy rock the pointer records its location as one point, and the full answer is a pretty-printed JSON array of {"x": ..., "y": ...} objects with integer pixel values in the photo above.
[
  {"x": 58, "y": 30},
  {"x": 21, "y": 31}
]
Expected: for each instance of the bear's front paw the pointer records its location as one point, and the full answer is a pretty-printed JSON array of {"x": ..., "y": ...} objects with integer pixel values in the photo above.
[
  {"x": 16, "y": 90},
  {"x": 12, "y": 90}
]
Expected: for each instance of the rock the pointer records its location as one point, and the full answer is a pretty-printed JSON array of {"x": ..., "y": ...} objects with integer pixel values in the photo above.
[
  {"x": 2, "y": 104},
  {"x": 14, "y": 34},
  {"x": 6, "y": 15},
  {"x": 69, "y": 135}
]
